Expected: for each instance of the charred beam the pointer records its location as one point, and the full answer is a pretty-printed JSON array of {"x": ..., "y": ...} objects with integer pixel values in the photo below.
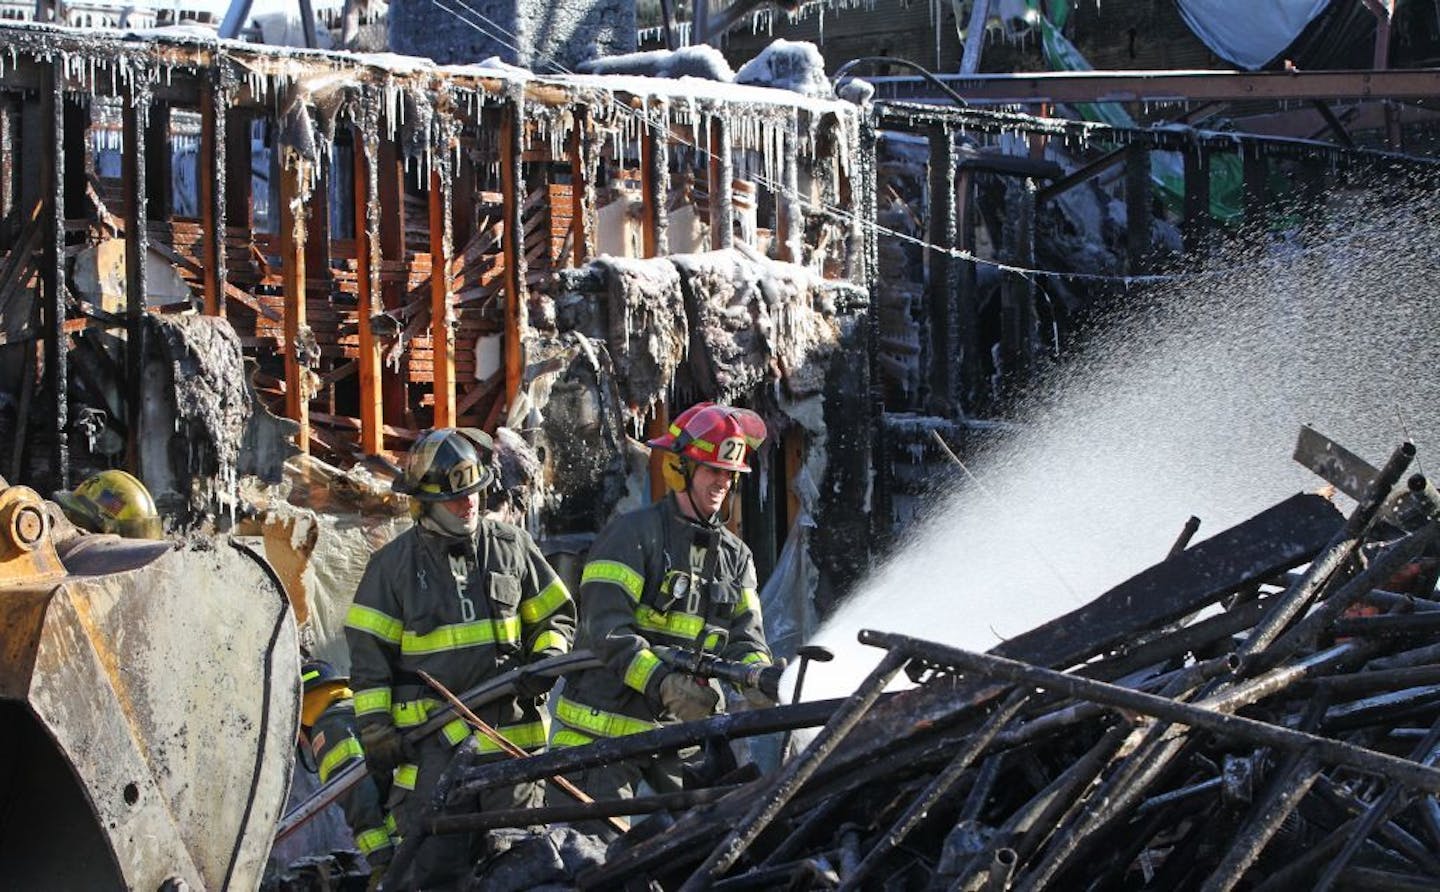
[
  {"x": 137, "y": 240},
  {"x": 367, "y": 273}
]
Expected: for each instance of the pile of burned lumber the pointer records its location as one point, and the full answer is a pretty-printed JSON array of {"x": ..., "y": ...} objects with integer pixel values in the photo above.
[{"x": 1260, "y": 710}]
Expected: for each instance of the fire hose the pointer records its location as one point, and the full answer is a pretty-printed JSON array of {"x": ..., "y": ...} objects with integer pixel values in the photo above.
[{"x": 762, "y": 676}]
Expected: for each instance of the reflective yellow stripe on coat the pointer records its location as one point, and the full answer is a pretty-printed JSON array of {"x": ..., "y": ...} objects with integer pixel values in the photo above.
[{"x": 599, "y": 722}]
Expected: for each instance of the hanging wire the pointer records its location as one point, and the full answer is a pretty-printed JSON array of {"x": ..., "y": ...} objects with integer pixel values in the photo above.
[{"x": 658, "y": 126}]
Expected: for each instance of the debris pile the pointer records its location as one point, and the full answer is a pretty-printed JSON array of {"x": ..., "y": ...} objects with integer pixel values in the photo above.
[{"x": 1258, "y": 710}]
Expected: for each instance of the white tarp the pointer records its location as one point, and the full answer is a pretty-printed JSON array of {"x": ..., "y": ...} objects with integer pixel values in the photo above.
[{"x": 1247, "y": 33}]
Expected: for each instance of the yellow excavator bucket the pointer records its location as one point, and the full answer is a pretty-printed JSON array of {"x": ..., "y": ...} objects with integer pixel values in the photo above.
[{"x": 148, "y": 708}]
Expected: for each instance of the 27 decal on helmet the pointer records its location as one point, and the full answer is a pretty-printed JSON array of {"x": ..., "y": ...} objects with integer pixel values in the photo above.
[
  {"x": 447, "y": 463},
  {"x": 719, "y": 436}
]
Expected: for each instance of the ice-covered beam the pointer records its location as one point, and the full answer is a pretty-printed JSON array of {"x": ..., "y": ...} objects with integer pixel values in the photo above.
[
  {"x": 512, "y": 179},
  {"x": 719, "y": 184},
  {"x": 1165, "y": 86},
  {"x": 367, "y": 272},
  {"x": 655, "y": 180},
  {"x": 292, "y": 272},
  {"x": 789, "y": 218},
  {"x": 940, "y": 284},
  {"x": 134, "y": 176},
  {"x": 213, "y": 175},
  {"x": 391, "y": 211},
  {"x": 582, "y": 186},
  {"x": 442, "y": 334},
  {"x": 56, "y": 291}
]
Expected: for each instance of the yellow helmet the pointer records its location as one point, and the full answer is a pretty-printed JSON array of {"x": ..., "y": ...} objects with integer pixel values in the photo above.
[
  {"x": 112, "y": 502},
  {"x": 320, "y": 685}
]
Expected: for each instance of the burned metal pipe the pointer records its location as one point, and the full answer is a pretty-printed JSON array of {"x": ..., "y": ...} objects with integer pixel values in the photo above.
[
  {"x": 1180, "y": 795},
  {"x": 820, "y": 816},
  {"x": 1380, "y": 569},
  {"x": 1179, "y": 680},
  {"x": 938, "y": 788},
  {"x": 1393, "y": 625},
  {"x": 1002, "y": 867},
  {"x": 795, "y": 773},
  {"x": 1429, "y": 811},
  {"x": 981, "y": 788},
  {"x": 1292, "y": 783},
  {"x": 1367, "y": 761},
  {"x": 1380, "y": 811},
  {"x": 524, "y": 817},
  {"x": 1396, "y": 601},
  {"x": 1277, "y": 680},
  {"x": 1321, "y": 571},
  {"x": 1419, "y": 656},
  {"x": 669, "y": 737},
  {"x": 1199, "y": 635},
  {"x": 1360, "y": 683}
]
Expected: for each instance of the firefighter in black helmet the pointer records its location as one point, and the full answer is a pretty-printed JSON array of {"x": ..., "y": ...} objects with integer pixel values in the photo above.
[
  {"x": 329, "y": 735},
  {"x": 464, "y": 598}
]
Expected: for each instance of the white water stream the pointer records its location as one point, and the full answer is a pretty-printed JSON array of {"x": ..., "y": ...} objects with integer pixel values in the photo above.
[{"x": 1190, "y": 407}]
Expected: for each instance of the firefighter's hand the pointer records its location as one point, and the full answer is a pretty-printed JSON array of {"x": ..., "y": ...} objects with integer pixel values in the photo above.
[
  {"x": 758, "y": 699},
  {"x": 383, "y": 745},
  {"x": 686, "y": 698},
  {"x": 533, "y": 687}
]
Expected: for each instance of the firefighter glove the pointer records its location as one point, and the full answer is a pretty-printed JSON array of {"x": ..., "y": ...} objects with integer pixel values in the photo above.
[
  {"x": 686, "y": 698},
  {"x": 533, "y": 687},
  {"x": 758, "y": 699},
  {"x": 384, "y": 747}
]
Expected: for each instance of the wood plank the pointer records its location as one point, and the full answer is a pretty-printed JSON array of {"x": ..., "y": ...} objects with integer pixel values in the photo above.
[
  {"x": 1277, "y": 539},
  {"x": 231, "y": 291},
  {"x": 581, "y": 147},
  {"x": 292, "y": 237},
  {"x": 345, "y": 422},
  {"x": 478, "y": 392},
  {"x": 391, "y": 185}
]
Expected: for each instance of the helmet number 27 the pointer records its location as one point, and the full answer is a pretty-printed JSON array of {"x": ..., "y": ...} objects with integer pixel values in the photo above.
[{"x": 732, "y": 450}]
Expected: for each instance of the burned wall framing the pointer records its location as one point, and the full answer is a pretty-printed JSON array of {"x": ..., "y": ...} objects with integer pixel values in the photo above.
[
  {"x": 363, "y": 340},
  {"x": 976, "y": 316}
]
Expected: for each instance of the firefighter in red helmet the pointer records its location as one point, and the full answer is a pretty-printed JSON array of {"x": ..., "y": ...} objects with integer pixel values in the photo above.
[{"x": 667, "y": 574}]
